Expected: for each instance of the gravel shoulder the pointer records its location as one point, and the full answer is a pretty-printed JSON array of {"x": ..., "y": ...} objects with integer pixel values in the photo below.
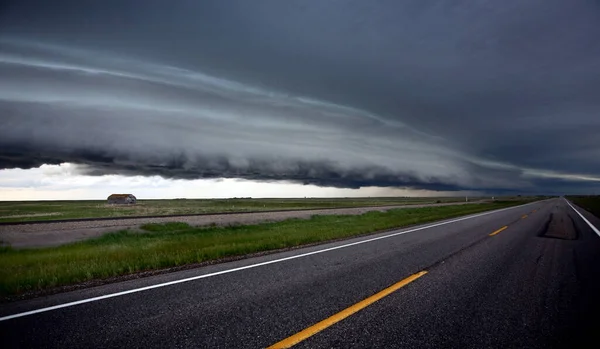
[{"x": 59, "y": 233}]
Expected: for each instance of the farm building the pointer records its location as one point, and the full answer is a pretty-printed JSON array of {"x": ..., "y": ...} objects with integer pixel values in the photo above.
[{"x": 122, "y": 199}]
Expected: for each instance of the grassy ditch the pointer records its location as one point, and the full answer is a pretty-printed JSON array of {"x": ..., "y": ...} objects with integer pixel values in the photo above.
[
  {"x": 589, "y": 203},
  {"x": 177, "y": 244}
]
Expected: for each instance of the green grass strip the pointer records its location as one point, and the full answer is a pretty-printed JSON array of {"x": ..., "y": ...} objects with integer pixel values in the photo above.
[
  {"x": 589, "y": 203},
  {"x": 177, "y": 244}
]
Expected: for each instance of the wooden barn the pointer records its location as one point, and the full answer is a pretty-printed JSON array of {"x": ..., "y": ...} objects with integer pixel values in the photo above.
[{"x": 122, "y": 199}]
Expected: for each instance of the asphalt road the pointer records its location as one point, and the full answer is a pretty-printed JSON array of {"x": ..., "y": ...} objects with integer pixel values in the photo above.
[{"x": 534, "y": 284}]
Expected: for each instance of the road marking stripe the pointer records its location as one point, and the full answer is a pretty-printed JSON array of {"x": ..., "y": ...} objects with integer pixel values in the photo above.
[
  {"x": 499, "y": 230},
  {"x": 320, "y": 326},
  {"x": 584, "y": 219},
  {"x": 174, "y": 282},
  {"x": 524, "y": 216}
]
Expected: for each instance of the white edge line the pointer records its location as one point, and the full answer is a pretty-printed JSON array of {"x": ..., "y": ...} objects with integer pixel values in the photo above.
[
  {"x": 174, "y": 282},
  {"x": 580, "y": 215}
]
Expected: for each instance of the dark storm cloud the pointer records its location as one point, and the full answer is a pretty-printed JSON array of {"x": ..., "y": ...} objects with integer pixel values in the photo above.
[
  {"x": 441, "y": 95},
  {"x": 320, "y": 173}
]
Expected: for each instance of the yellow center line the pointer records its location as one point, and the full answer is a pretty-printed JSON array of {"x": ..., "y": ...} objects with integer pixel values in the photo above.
[
  {"x": 320, "y": 326},
  {"x": 524, "y": 216},
  {"x": 499, "y": 230}
]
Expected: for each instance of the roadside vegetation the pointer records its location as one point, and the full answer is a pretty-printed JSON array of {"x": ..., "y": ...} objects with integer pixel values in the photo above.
[
  {"x": 589, "y": 203},
  {"x": 25, "y": 211},
  {"x": 177, "y": 244}
]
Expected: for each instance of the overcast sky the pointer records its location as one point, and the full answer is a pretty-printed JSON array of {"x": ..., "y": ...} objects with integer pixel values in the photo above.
[{"x": 298, "y": 98}]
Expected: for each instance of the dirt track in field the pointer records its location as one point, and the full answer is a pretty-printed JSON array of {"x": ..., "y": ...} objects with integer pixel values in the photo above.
[{"x": 59, "y": 233}]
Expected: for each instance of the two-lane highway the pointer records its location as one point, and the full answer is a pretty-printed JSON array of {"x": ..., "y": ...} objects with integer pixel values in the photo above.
[{"x": 527, "y": 276}]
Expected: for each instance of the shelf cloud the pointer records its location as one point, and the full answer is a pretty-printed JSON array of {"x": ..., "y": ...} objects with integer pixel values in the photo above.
[{"x": 494, "y": 97}]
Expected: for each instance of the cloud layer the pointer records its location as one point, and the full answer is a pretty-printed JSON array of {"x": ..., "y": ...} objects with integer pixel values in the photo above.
[{"x": 495, "y": 97}]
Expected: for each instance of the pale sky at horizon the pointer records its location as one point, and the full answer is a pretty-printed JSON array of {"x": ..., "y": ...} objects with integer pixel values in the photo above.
[{"x": 61, "y": 182}]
